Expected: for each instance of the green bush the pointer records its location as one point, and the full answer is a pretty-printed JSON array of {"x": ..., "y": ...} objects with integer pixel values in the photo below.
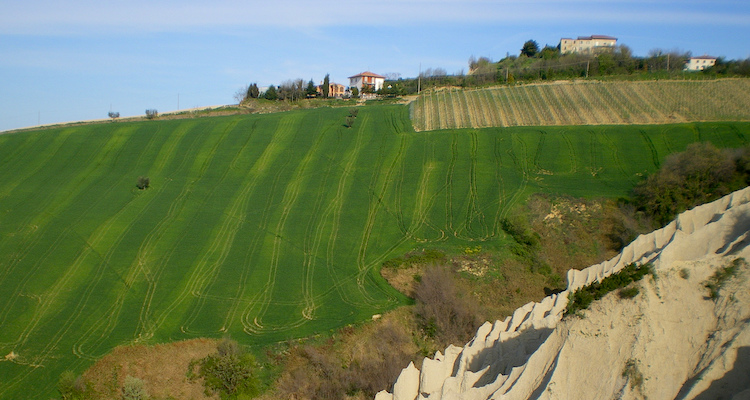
[
  {"x": 700, "y": 174},
  {"x": 72, "y": 387},
  {"x": 582, "y": 298},
  {"x": 230, "y": 372},
  {"x": 143, "y": 183},
  {"x": 629, "y": 292}
]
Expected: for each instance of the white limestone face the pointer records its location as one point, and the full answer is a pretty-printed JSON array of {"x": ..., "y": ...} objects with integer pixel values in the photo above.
[{"x": 671, "y": 340}]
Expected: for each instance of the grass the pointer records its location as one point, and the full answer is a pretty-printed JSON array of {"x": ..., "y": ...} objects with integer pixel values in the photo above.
[
  {"x": 584, "y": 103},
  {"x": 264, "y": 227},
  {"x": 721, "y": 276}
]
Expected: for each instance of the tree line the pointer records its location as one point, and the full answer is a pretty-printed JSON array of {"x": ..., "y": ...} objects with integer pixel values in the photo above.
[
  {"x": 289, "y": 90},
  {"x": 535, "y": 63}
]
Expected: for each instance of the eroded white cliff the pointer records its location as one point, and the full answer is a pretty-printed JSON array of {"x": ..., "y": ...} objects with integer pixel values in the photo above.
[{"x": 670, "y": 341}]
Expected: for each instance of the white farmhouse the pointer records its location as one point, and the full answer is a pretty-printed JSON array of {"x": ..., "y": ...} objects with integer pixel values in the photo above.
[
  {"x": 367, "y": 79},
  {"x": 700, "y": 63}
]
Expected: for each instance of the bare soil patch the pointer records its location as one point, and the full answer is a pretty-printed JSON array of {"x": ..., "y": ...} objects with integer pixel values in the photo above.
[{"x": 162, "y": 368}]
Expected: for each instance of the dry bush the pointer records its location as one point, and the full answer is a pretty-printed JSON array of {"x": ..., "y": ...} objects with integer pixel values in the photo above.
[
  {"x": 444, "y": 313},
  {"x": 133, "y": 389},
  {"x": 358, "y": 363}
]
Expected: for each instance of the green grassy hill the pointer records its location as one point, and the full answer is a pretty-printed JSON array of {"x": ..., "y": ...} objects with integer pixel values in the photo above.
[
  {"x": 265, "y": 227},
  {"x": 584, "y": 103}
]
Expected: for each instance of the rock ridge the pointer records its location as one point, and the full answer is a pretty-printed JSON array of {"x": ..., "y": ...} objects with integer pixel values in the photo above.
[{"x": 671, "y": 341}]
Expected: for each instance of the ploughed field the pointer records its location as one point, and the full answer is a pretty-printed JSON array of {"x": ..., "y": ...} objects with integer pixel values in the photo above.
[
  {"x": 584, "y": 103},
  {"x": 264, "y": 227}
]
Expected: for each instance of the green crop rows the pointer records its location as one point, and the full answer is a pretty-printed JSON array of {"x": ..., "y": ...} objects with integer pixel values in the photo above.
[{"x": 265, "y": 227}]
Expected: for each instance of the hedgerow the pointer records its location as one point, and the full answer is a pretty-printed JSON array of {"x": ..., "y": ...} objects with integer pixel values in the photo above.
[{"x": 583, "y": 297}]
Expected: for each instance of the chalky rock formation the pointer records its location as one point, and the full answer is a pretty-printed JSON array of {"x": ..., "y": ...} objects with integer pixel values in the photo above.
[{"x": 671, "y": 341}]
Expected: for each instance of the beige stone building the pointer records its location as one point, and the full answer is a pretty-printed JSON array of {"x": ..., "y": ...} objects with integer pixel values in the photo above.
[
  {"x": 335, "y": 90},
  {"x": 593, "y": 44}
]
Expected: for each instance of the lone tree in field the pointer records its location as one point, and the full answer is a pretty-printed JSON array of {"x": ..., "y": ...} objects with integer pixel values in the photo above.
[
  {"x": 530, "y": 48},
  {"x": 151, "y": 113},
  {"x": 143, "y": 183},
  {"x": 114, "y": 115},
  {"x": 349, "y": 121}
]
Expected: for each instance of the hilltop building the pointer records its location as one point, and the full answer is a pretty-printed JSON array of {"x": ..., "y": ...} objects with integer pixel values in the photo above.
[
  {"x": 700, "y": 63},
  {"x": 366, "y": 79},
  {"x": 335, "y": 90},
  {"x": 593, "y": 44}
]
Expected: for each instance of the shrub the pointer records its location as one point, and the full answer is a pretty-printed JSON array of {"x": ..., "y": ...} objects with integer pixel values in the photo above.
[
  {"x": 230, "y": 371},
  {"x": 132, "y": 389},
  {"x": 700, "y": 174},
  {"x": 633, "y": 374},
  {"x": 582, "y": 298},
  {"x": 444, "y": 315},
  {"x": 629, "y": 293},
  {"x": 721, "y": 276},
  {"x": 72, "y": 387},
  {"x": 143, "y": 183},
  {"x": 359, "y": 365},
  {"x": 349, "y": 121},
  {"x": 518, "y": 229}
]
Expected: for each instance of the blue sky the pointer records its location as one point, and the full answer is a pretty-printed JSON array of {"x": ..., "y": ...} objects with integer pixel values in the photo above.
[{"x": 76, "y": 60}]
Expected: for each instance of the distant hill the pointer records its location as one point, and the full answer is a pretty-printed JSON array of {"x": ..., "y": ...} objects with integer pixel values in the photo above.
[{"x": 584, "y": 103}]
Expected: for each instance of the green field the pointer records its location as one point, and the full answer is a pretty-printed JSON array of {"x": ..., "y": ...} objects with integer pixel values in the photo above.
[
  {"x": 584, "y": 103},
  {"x": 265, "y": 227}
]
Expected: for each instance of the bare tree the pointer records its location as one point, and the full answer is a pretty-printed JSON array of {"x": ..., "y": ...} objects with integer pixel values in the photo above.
[{"x": 241, "y": 94}]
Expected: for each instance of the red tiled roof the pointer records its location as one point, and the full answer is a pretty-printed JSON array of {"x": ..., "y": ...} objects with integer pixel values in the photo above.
[{"x": 367, "y": 73}]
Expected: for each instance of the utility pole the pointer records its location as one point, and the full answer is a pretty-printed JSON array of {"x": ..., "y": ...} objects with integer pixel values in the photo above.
[
  {"x": 587, "y": 68},
  {"x": 667, "y": 61}
]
